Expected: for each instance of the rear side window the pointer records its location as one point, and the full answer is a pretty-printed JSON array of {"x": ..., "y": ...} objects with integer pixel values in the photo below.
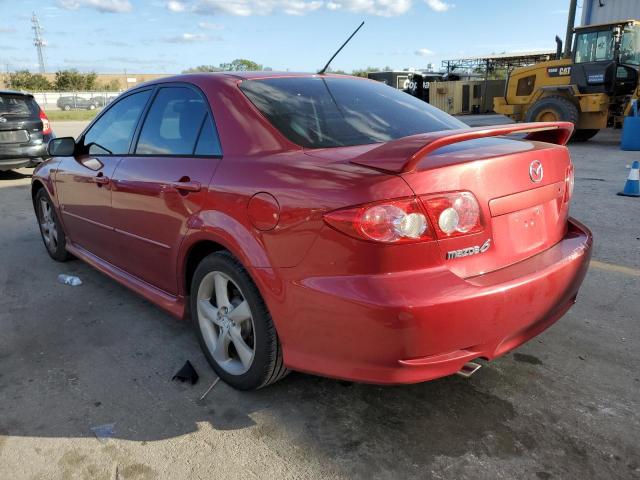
[
  {"x": 18, "y": 105},
  {"x": 112, "y": 133},
  {"x": 208, "y": 142},
  {"x": 317, "y": 112},
  {"x": 173, "y": 123}
]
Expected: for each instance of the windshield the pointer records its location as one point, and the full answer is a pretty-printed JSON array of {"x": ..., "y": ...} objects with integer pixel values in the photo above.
[
  {"x": 320, "y": 112},
  {"x": 594, "y": 46},
  {"x": 630, "y": 45}
]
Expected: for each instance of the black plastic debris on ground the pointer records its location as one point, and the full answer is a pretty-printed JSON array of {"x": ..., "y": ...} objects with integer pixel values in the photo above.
[{"x": 187, "y": 374}]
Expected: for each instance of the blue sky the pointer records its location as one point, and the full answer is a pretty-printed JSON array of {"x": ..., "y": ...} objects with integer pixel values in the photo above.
[{"x": 160, "y": 36}]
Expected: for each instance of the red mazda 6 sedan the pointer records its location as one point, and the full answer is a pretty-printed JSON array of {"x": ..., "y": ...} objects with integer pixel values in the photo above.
[{"x": 321, "y": 223}]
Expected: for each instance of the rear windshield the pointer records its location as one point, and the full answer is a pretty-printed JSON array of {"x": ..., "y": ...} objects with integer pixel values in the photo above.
[
  {"x": 320, "y": 112},
  {"x": 19, "y": 105}
]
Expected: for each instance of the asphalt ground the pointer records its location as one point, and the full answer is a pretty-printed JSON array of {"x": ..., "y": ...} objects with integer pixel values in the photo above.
[{"x": 566, "y": 405}]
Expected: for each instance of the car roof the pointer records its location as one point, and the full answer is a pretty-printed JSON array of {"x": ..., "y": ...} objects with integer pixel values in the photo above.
[
  {"x": 221, "y": 76},
  {"x": 15, "y": 92}
]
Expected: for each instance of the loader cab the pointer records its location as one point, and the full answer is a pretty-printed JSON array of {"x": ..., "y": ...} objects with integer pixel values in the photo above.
[{"x": 606, "y": 58}]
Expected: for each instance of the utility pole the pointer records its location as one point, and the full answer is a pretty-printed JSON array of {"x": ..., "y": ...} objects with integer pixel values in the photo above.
[{"x": 38, "y": 41}]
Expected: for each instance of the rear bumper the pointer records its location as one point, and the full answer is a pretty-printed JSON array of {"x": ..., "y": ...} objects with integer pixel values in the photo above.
[
  {"x": 415, "y": 326},
  {"x": 17, "y": 156}
]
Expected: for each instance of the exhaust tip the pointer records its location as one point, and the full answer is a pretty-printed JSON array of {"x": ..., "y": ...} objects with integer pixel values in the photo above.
[{"x": 468, "y": 369}]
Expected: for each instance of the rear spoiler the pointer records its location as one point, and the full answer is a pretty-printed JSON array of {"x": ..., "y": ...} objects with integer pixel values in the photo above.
[{"x": 404, "y": 154}]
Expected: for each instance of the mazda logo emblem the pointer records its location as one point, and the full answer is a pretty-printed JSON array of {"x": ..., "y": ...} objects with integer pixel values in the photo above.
[{"x": 536, "y": 172}]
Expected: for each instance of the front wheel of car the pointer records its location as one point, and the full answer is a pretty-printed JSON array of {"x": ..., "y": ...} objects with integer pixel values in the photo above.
[
  {"x": 66, "y": 108},
  {"x": 50, "y": 228},
  {"x": 233, "y": 324}
]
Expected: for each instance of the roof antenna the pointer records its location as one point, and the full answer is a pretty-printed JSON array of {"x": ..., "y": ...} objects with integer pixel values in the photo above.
[{"x": 335, "y": 54}]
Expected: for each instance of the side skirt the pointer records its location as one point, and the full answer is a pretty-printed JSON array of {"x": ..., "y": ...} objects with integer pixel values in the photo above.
[{"x": 172, "y": 304}]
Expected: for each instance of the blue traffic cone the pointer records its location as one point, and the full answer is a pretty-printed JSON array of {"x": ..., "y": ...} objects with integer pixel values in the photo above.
[{"x": 632, "y": 187}]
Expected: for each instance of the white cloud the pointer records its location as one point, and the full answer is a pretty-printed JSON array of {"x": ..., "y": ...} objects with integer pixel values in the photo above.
[
  {"x": 188, "y": 38},
  {"x": 423, "y": 52},
  {"x": 383, "y": 8},
  {"x": 245, "y": 8},
  {"x": 106, "y": 6},
  {"x": 210, "y": 26},
  {"x": 438, "y": 5},
  {"x": 176, "y": 6}
]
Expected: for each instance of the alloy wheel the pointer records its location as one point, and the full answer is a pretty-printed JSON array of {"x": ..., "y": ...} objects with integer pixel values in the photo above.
[
  {"x": 226, "y": 323},
  {"x": 48, "y": 226}
]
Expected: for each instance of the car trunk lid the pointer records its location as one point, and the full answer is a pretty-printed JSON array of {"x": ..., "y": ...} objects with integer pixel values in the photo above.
[
  {"x": 523, "y": 212},
  {"x": 521, "y": 217}
]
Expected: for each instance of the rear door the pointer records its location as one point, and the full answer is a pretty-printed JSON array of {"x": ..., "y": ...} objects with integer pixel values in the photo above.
[
  {"x": 163, "y": 184},
  {"x": 85, "y": 181},
  {"x": 20, "y": 122}
]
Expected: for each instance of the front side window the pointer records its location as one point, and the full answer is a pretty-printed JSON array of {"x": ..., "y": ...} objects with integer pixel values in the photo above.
[
  {"x": 321, "y": 112},
  {"x": 112, "y": 133},
  {"x": 173, "y": 123},
  {"x": 594, "y": 46},
  {"x": 630, "y": 46}
]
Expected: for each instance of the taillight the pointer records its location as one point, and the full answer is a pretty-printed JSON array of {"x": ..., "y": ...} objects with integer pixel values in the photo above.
[
  {"x": 393, "y": 221},
  {"x": 46, "y": 125},
  {"x": 453, "y": 214},
  {"x": 569, "y": 183}
]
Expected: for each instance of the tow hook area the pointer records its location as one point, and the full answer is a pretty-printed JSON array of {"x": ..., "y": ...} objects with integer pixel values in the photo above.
[{"x": 468, "y": 369}]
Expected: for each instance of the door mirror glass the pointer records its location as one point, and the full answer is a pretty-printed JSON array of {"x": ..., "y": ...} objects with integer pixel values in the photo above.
[{"x": 61, "y": 147}]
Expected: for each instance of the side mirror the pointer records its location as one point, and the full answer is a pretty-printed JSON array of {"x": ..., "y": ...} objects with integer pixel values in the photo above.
[{"x": 61, "y": 147}]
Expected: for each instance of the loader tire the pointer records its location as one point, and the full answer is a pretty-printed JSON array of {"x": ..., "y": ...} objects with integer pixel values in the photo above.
[{"x": 553, "y": 108}]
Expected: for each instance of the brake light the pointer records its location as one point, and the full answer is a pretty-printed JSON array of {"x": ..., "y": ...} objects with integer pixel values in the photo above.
[
  {"x": 46, "y": 125},
  {"x": 393, "y": 221},
  {"x": 569, "y": 182},
  {"x": 453, "y": 214}
]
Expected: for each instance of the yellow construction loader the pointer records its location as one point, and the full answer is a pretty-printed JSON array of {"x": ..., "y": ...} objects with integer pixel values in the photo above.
[{"x": 592, "y": 85}]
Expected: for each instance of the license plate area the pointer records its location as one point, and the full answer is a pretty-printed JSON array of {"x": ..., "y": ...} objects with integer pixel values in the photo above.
[
  {"x": 527, "y": 229},
  {"x": 14, "y": 136}
]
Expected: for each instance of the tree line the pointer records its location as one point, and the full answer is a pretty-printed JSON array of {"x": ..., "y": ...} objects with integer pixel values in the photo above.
[
  {"x": 244, "y": 65},
  {"x": 65, "y": 81},
  {"x": 72, "y": 80}
]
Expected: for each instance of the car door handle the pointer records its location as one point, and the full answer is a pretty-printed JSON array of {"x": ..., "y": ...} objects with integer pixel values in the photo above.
[
  {"x": 186, "y": 186},
  {"x": 100, "y": 179}
]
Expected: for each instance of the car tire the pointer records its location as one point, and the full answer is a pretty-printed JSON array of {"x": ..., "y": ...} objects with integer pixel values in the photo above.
[
  {"x": 92, "y": 107},
  {"x": 66, "y": 108},
  {"x": 51, "y": 230},
  {"x": 584, "y": 134},
  {"x": 220, "y": 287}
]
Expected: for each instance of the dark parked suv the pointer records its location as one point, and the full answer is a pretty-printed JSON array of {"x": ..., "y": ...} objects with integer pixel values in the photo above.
[
  {"x": 25, "y": 131},
  {"x": 76, "y": 102}
]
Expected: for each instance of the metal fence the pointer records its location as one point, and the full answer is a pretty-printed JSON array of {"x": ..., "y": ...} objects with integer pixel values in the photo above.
[{"x": 74, "y": 100}]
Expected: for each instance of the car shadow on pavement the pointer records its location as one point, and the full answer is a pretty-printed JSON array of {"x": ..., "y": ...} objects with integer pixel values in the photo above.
[
  {"x": 73, "y": 358},
  {"x": 15, "y": 175},
  {"x": 76, "y": 358}
]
